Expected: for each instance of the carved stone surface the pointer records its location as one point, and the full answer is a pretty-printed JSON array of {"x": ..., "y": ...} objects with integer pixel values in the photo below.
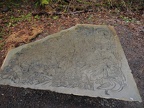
[{"x": 83, "y": 60}]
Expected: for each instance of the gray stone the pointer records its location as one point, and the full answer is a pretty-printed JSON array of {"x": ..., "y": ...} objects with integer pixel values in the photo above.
[{"x": 85, "y": 60}]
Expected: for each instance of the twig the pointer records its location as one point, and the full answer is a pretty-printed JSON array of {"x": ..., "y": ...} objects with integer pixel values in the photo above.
[{"x": 69, "y": 5}]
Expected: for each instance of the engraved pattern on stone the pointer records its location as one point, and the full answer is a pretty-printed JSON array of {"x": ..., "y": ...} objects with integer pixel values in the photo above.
[{"x": 86, "y": 58}]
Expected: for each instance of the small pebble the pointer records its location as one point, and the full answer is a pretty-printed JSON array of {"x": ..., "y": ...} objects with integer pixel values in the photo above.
[
  {"x": 2, "y": 94},
  {"x": 5, "y": 9},
  {"x": 138, "y": 22}
]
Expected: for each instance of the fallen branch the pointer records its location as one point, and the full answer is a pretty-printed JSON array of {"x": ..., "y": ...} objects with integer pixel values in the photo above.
[{"x": 60, "y": 13}]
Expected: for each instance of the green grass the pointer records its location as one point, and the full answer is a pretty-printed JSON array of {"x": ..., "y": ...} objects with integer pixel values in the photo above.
[{"x": 14, "y": 20}]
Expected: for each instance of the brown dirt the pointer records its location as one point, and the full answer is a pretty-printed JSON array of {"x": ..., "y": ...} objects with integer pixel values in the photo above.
[
  {"x": 132, "y": 39},
  {"x": 22, "y": 36}
]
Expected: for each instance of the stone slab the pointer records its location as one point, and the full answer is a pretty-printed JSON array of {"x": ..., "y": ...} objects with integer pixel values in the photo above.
[{"x": 85, "y": 60}]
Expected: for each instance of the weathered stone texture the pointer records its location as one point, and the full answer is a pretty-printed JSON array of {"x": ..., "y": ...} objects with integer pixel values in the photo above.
[{"x": 83, "y": 60}]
